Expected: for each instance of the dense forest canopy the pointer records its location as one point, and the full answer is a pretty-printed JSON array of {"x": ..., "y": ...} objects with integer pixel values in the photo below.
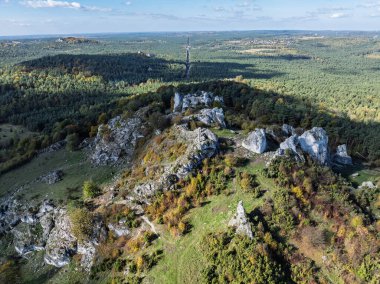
[{"x": 50, "y": 84}]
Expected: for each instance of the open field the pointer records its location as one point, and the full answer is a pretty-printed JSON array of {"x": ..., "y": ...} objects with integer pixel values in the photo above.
[
  {"x": 9, "y": 131},
  {"x": 74, "y": 165}
]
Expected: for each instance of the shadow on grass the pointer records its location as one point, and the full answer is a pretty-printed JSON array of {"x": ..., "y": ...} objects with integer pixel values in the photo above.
[{"x": 137, "y": 68}]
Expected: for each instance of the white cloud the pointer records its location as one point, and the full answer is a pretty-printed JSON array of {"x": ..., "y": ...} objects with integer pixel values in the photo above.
[
  {"x": 62, "y": 4},
  {"x": 338, "y": 15},
  {"x": 52, "y": 4}
]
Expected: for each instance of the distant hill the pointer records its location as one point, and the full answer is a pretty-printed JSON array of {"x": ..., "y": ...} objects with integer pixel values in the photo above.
[{"x": 76, "y": 40}]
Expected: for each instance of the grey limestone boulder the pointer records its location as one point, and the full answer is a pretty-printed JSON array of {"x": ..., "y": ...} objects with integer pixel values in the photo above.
[
  {"x": 211, "y": 116},
  {"x": 115, "y": 140},
  {"x": 315, "y": 143},
  {"x": 341, "y": 156},
  {"x": 52, "y": 177},
  {"x": 200, "y": 99},
  {"x": 256, "y": 141},
  {"x": 240, "y": 222}
]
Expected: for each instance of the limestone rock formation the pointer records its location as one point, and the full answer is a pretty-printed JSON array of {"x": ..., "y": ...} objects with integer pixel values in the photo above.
[
  {"x": 52, "y": 177},
  {"x": 367, "y": 184},
  {"x": 116, "y": 139},
  {"x": 288, "y": 130},
  {"x": 341, "y": 156},
  {"x": 201, "y": 143},
  {"x": 256, "y": 141},
  {"x": 61, "y": 244},
  {"x": 209, "y": 117},
  {"x": 240, "y": 222},
  {"x": 291, "y": 144},
  {"x": 119, "y": 229},
  {"x": 204, "y": 99},
  {"x": 315, "y": 143}
]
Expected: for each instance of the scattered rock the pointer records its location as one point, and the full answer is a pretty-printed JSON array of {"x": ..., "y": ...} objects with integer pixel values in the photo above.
[
  {"x": 210, "y": 117},
  {"x": 367, "y": 184},
  {"x": 61, "y": 244},
  {"x": 183, "y": 102},
  {"x": 288, "y": 130},
  {"x": 240, "y": 222},
  {"x": 52, "y": 177},
  {"x": 256, "y": 141},
  {"x": 53, "y": 147},
  {"x": 341, "y": 156},
  {"x": 315, "y": 143},
  {"x": 119, "y": 229},
  {"x": 290, "y": 144},
  {"x": 116, "y": 139}
]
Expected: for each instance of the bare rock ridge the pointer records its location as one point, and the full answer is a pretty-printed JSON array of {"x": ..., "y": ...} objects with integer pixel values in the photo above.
[
  {"x": 313, "y": 142},
  {"x": 208, "y": 116},
  {"x": 202, "y": 143},
  {"x": 49, "y": 229},
  {"x": 240, "y": 222},
  {"x": 201, "y": 99},
  {"x": 116, "y": 139}
]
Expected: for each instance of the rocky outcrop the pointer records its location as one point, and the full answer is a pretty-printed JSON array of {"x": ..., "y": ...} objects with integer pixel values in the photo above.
[
  {"x": 53, "y": 147},
  {"x": 201, "y": 99},
  {"x": 61, "y": 244},
  {"x": 202, "y": 144},
  {"x": 119, "y": 229},
  {"x": 117, "y": 139},
  {"x": 209, "y": 117},
  {"x": 315, "y": 143},
  {"x": 240, "y": 222},
  {"x": 288, "y": 130},
  {"x": 52, "y": 177},
  {"x": 341, "y": 156},
  {"x": 367, "y": 184},
  {"x": 256, "y": 141},
  {"x": 48, "y": 228},
  {"x": 27, "y": 239},
  {"x": 291, "y": 146}
]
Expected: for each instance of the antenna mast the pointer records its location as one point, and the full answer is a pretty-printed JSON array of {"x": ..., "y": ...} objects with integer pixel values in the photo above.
[{"x": 188, "y": 59}]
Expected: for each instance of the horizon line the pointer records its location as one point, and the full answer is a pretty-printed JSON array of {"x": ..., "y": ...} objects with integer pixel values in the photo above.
[{"x": 179, "y": 31}]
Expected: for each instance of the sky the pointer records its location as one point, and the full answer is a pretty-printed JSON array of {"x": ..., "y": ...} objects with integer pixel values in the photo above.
[{"x": 38, "y": 17}]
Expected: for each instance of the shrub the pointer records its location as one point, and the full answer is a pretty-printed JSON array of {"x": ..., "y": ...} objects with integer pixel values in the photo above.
[
  {"x": 90, "y": 190},
  {"x": 81, "y": 223},
  {"x": 72, "y": 141}
]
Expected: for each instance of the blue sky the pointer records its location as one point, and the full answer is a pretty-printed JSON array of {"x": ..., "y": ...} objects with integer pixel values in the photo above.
[{"x": 25, "y": 17}]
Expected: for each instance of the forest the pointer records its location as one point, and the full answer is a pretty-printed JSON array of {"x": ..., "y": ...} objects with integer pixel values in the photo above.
[{"x": 59, "y": 88}]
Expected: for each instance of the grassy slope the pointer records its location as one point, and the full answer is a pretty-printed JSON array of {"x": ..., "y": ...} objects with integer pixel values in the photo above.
[
  {"x": 183, "y": 261},
  {"x": 76, "y": 169},
  {"x": 8, "y": 131}
]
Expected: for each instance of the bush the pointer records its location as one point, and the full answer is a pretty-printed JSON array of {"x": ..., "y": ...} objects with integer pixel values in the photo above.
[
  {"x": 90, "y": 190},
  {"x": 72, "y": 141},
  {"x": 81, "y": 223}
]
